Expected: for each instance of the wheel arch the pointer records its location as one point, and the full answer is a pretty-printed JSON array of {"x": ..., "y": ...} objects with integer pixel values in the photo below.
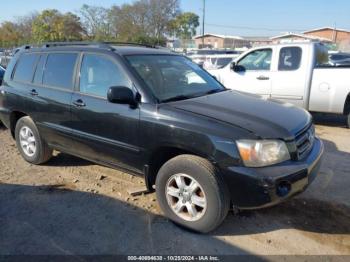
[
  {"x": 14, "y": 117},
  {"x": 347, "y": 105},
  {"x": 159, "y": 157}
]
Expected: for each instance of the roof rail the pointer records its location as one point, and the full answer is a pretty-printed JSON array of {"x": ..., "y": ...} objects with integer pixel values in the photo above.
[
  {"x": 108, "y": 45},
  {"x": 129, "y": 43},
  {"x": 77, "y": 43}
]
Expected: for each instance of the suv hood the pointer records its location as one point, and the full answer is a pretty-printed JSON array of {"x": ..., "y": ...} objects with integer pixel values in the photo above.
[{"x": 266, "y": 119}]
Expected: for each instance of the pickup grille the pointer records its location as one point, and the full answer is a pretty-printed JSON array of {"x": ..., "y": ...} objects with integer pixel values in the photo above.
[{"x": 304, "y": 142}]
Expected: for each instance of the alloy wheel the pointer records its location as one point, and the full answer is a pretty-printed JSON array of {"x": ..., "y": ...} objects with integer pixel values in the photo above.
[{"x": 186, "y": 197}]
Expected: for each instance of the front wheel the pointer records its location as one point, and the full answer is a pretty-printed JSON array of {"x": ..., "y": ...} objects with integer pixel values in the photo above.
[{"x": 191, "y": 192}]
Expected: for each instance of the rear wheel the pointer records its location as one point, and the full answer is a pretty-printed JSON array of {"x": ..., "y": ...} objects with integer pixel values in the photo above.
[
  {"x": 191, "y": 193},
  {"x": 29, "y": 142}
]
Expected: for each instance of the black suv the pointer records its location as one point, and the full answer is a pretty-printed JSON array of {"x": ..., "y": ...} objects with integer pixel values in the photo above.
[{"x": 157, "y": 114}]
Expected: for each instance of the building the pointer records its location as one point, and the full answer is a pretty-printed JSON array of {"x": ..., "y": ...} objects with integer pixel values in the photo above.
[
  {"x": 257, "y": 40},
  {"x": 220, "y": 41},
  {"x": 340, "y": 37},
  {"x": 335, "y": 35},
  {"x": 291, "y": 37}
]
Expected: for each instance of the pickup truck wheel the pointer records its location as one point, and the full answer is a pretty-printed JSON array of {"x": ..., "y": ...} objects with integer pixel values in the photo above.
[
  {"x": 192, "y": 193},
  {"x": 29, "y": 142}
]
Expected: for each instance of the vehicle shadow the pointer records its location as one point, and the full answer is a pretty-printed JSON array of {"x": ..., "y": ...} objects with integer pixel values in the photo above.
[
  {"x": 65, "y": 160},
  {"x": 322, "y": 208},
  {"x": 57, "y": 220},
  {"x": 329, "y": 119}
]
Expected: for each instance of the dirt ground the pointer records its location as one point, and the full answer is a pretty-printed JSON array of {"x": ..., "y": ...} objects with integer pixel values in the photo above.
[{"x": 71, "y": 206}]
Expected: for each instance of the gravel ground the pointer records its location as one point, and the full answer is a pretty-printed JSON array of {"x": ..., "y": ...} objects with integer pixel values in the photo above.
[{"x": 71, "y": 206}]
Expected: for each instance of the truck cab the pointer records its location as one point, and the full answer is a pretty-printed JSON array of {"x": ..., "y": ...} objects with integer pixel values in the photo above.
[{"x": 296, "y": 73}]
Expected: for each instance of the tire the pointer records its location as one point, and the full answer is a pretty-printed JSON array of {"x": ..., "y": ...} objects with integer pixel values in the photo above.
[
  {"x": 211, "y": 187},
  {"x": 29, "y": 142},
  {"x": 348, "y": 121}
]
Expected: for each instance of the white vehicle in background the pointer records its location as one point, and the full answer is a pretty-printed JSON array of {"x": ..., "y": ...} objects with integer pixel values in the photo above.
[
  {"x": 213, "y": 62},
  {"x": 339, "y": 59},
  {"x": 199, "y": 56},
  {"x": 297, "y": 73}
]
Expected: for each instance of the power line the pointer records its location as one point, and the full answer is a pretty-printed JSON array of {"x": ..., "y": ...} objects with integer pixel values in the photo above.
[{"x": 257, "y": 28}]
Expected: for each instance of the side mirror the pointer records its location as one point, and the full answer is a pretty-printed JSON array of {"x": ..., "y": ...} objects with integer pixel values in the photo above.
[
  {"x": 121, "y": 95},
  {"x": 236, "y": 68}
]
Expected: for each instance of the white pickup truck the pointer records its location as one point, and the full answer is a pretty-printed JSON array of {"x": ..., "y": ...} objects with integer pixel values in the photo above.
[{"x": 297, "y": 73}]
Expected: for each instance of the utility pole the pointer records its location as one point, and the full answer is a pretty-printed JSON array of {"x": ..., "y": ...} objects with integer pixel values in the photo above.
[
  {"x": 334, "y": 37},
  {"x": 203, "y": 25}
]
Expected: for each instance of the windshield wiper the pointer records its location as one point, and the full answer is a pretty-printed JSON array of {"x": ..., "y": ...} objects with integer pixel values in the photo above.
[
  {"x": 213, "y": 91},
  {"x": 184, "y": 97},
  {"x": 176, "y": 98}
]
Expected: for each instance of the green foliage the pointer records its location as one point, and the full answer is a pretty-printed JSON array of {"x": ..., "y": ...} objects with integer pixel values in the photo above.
[
  {"x": 9, "y": 34},
  {"x": 184, "y": 25},
  {"x": 142, "y": 21},
  {"x": 51, "y": 25},
  {"x": 148, "y": 40}
]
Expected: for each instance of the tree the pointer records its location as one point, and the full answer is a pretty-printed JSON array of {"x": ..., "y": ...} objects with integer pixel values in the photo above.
[
  {"x": 143, "y": 20},
  {"x": 161, "y": 12},
  {"x": 51, "y": 25},
  {"x": 129, "y": 21},
  {"x": 72, "y": 27},
  {"x": 24, "y": 26},
  {"x": 96, "y": 22},
  {"x": 184, "y": 25},
  {"x": 9, "y": 34}
]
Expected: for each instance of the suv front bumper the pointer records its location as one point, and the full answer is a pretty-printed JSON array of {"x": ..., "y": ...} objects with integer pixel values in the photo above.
[{"x": 253, "y": 188}]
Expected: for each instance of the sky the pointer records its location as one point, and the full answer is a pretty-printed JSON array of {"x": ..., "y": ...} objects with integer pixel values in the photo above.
[{"x": 229, "y": 17}]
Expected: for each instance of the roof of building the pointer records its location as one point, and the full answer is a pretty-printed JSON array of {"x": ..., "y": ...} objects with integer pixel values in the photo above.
[
  {"x": 286, "y": 35},
  {"x": 256, "y": 38},
  {"x": 326, "y": 28},
  {"x": 220, "y": 36}
]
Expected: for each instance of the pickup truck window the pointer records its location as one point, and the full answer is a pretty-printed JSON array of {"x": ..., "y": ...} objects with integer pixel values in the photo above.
[
  {"x": 59, "y": 70},
  {"x": 98, "y": 74},
  {"x": 322, "y": 59},
  {"x": 25, "y": 67},
  {"x": 290, "y": 58},
  {"x": 257, "y": 60}
]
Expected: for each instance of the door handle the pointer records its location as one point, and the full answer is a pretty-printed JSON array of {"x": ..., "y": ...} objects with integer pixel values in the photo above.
[
  {"x": 79, "y": 103},
  {"x": 33, "y": 92},
  {"x": 263, "y": 78}
]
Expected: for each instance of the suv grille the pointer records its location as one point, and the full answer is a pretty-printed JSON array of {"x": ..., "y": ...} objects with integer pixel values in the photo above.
[{"x": 304, "y": 142}]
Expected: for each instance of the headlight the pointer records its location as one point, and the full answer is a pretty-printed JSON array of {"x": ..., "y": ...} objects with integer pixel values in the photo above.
[{"x": 259, "y": 153}]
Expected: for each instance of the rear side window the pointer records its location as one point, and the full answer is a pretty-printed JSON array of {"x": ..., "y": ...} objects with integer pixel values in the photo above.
[
  {"x": 59, "y": 70},
  {"x": 25, "y": 67},
  {"x": 290, "y": 58}
]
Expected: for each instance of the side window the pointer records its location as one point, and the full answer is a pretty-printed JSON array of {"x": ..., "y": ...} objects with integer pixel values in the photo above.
[
  {"x": 289, "y": 59},
  {"x": 257, "y": 60},
  {"x": 38, "y": 76},
  {"x": 99, "y": 73},
  {"x": 25, "y": 67},
  {"x": 59, "y": 70}
]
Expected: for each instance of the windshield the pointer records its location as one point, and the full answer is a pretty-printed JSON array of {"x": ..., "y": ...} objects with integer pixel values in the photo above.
[{"x": 173, "y": 77}]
